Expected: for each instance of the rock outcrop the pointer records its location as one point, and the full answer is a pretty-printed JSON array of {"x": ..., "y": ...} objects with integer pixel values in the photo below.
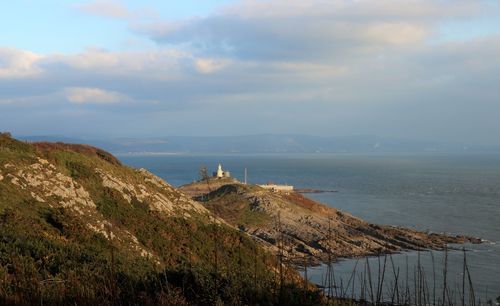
[
  {"x": 69, "y": 181},
  {"x": 304, "y": 227}
]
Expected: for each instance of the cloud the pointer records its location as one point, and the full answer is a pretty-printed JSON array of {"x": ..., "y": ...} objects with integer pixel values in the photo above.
[
  {"x": 115, "y": 9},
  {"x": 159, "y": 64},
  {"x": 105, "y": 8},
  {"x": 16, "y": 63},
  {"x": 166, "y": 92},
  {"x": 84, "y": 95},
  {"x": 92, "y": 58},
  {"x": 355, "y": 10},
  {"x": 314, "y": 29},
  {"x": 208, "y": 65},
  {"x": 396, "y": 33},
  {"x": 318, "y": 67}
]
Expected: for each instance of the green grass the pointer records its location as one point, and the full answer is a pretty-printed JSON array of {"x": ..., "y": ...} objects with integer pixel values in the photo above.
[
  {"x": 15, "y": 152},
  {"x": 49, "y": 256}
]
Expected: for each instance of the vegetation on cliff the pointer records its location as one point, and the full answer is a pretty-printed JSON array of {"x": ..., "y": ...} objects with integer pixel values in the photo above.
[{"x": 77, "y": 227}]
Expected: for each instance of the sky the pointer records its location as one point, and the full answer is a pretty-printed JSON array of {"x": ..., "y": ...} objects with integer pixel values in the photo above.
[{"x": 412, "y": 69}]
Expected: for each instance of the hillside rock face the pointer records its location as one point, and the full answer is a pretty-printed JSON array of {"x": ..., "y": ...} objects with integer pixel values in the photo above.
[
  {"x": 159, "y": 195},
  {"x": 302, "y": 227},
  {"x": 46, "y": 184},
  {"x": 45, "y": 181},
  {"x": 76, "y": 179}
]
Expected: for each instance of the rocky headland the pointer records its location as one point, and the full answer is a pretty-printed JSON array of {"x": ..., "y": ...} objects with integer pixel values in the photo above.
[{"x": 302, "y": 227}]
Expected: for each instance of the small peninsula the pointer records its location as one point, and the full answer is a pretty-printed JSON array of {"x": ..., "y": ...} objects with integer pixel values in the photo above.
[{"x": 306, "y": 227}]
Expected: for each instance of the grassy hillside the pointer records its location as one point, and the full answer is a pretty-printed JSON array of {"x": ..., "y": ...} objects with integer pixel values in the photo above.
[{"x": 76, "y": 226}]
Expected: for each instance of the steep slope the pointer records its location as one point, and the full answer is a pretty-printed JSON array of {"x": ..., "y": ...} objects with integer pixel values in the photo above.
[
  {"x": 77, "y": 227},
  {"x": 305, "y": 227},
  {"x": 96, "y": 189}
]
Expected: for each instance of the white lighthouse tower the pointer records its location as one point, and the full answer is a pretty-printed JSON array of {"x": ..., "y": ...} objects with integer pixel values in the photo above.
[{"x": 220, "y": 173}]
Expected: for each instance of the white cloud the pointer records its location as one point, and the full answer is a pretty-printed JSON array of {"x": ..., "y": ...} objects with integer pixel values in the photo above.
[
  {"x": 310, "y": 30},
  {"x": 16, "y": 63},
  {"x": 396, "y": 33},
  {"x": 337, "y": 65},
  {"x": 105, "y": 8},
  {"x": 115, "y": 9},
  {"x": 91, "y": 58},
  {"x": 85, "y": 95},
  {"x": 159, "y": 64},
  {"x": 354, "y": 9},
  {"x": 209, "y": 65}
]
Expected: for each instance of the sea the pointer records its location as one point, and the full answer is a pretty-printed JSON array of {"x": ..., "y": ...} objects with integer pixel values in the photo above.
[{"x": 456, "y": 194}]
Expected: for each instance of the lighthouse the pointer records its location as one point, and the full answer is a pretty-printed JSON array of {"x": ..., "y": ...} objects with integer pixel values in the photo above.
[{"x": 220, "y": 173}]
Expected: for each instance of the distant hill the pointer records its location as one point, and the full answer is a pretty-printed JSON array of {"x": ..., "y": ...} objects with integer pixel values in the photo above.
[{"x": 268, "y": 143}]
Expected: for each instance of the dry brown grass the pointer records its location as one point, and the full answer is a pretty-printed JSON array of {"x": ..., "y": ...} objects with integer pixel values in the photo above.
[{"x": 79, "y": 148}]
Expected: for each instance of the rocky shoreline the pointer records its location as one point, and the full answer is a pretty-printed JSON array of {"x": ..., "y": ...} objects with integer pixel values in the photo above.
[{"x": 298, "y": 227}]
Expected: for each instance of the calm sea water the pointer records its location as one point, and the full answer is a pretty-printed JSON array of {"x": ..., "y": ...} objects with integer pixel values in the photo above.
[{"x": 457, "y": 194}]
